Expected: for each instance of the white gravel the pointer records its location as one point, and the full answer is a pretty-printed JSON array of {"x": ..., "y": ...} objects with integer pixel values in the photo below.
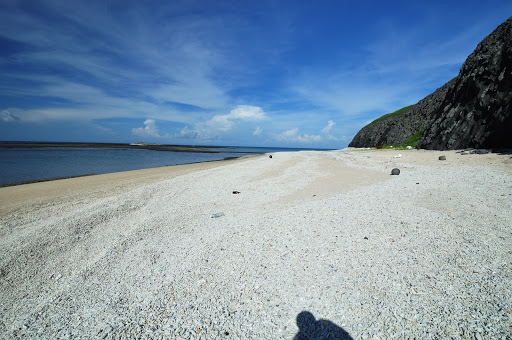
[{"x": 426, "y": 254}]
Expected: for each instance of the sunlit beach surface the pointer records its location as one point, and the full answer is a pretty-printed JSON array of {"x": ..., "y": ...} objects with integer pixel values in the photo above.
[{"x": 327, "y": 234}]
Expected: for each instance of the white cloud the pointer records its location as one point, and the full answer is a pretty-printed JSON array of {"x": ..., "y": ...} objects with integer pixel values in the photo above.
[
  {"x": 247, "y": 112},
  {"x": 8, "y": 117},
  {"x": 257, "y": 131},
  {"x": 240, "y": 113},
  {"x": 293, "y": 135},
  {"x": 188, "y": 133},
  {"x": 150, "y": 130},
  {"x": 290, "y": 133},
  {"x": 329, "y": 126},
  {"x": 326, "y": 131}
]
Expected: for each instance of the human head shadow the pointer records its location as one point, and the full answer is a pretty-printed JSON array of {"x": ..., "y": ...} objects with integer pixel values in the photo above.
[{"x": 312, "y": 329}]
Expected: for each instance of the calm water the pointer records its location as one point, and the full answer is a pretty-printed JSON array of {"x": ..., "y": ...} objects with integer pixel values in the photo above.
[{"x": 22, "y": 165}]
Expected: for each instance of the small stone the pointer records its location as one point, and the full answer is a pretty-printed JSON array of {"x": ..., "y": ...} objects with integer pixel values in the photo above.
[
  {"x": 395, "y": 171},
  {"x": 442, "y": 158}
]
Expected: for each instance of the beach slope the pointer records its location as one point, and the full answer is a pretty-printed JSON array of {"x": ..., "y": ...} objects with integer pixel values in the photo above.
[{"x": 425, "y": 254}]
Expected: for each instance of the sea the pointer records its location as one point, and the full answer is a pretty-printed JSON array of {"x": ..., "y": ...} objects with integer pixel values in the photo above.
[{"x": 22, "y": 165}]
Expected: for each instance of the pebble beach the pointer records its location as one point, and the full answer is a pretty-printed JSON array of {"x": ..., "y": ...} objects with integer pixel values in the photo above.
[{"x": 310, "y": 245}]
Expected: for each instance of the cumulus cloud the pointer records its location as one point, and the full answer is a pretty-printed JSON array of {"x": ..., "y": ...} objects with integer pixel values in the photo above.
[
  {"x": 240, "y": 113},
  {"x": 8, "y": 117},
  {"x": 247, "y": 112},
  {"x": 329, "y": 126},
  {"x": 150, "y": 130},
  {"x": 326, "y": 131},
  {"x": 187, "y": 133},
  {"x": 257, "y": 131},
  {"x": 293, "y": 135}
]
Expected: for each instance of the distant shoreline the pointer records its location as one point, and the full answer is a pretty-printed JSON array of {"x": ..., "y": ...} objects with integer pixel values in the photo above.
[
  {"x": 155, "y": 147},
  {"x": 57, "y": 164},
  {"x": 86, "y": 175}
]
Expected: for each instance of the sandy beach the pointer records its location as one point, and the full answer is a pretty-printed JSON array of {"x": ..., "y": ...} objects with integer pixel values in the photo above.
[{"x": 325, "y": 235}]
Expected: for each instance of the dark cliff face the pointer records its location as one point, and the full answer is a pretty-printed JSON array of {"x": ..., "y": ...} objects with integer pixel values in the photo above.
[
  {"x": 472, "y": 111},
  {"x": 395, "y": 130},
  {"x": 477, "y": 111}
]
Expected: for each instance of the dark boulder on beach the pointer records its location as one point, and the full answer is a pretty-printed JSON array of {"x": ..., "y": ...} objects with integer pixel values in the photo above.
[{"x": 473, "y": 110}]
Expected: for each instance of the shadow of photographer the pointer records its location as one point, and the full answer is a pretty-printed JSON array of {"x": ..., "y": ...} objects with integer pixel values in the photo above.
[{"x": 312, "y": 329}]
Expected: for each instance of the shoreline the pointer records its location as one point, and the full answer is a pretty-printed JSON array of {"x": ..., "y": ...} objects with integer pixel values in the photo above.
[
  {"x": 138, "y": 254},
  {"x": 135, "y": 146},
  {"x": 108, "y": 184},
  {"x": 86, "y": 175},
  {"x": 500, "y": 152}
]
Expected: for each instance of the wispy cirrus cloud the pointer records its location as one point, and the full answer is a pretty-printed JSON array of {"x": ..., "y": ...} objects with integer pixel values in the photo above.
[
  {"x": 8, "y": 117},
  {"x": 177, "y": 65},
  {"x": 257, "y": 131}
]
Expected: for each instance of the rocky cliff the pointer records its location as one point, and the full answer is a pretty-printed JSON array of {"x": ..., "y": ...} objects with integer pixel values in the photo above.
[
  {"x": 477, "y": 111},
  {"x": 472, "y": 111},
  {"x": 397, "y": 129}
]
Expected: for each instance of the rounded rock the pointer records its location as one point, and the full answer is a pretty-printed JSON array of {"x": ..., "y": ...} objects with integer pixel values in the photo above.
[
  {"x": 442, "y": 158},
  {"x": 395, "y": 171}
]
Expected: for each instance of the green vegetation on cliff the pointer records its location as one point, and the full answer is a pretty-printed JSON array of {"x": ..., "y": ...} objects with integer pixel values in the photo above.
[
  {"x": 414, "y": 139},
  {"x": 396, "y": 113}
]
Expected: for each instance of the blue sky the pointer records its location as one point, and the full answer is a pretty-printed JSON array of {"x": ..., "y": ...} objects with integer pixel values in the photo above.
[{"x": 252, "y": 73}]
